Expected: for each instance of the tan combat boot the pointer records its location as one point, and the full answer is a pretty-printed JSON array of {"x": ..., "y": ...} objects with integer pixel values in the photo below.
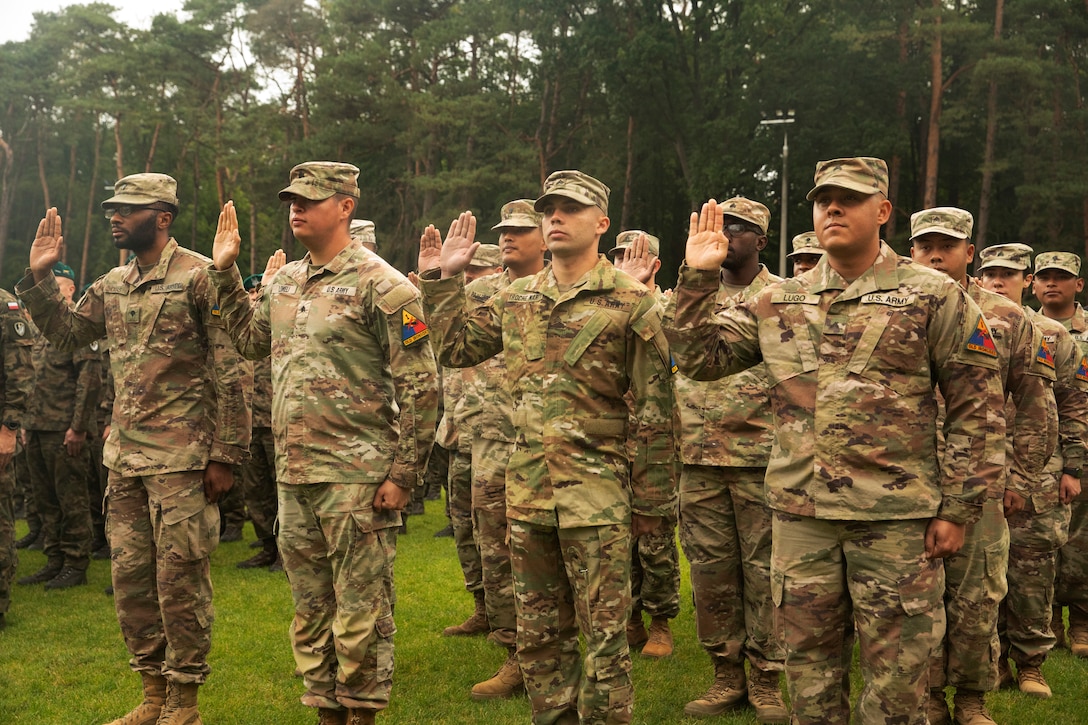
[
  {"x": 147, "y": 712},
  {"x": 506, "y": 682},
  {"x": 1032, "y": 682},
  {"x": 180, "y": 707},
  {"x": 970, "y": 707},
  {"x": 660, "y": 639},
  {"x": 636, "y": 631},
  {"x": 329, "y": 716},
  {"x": 766, "y": 697},
  {"x": 1005, "y": 680},
  {"x": 475, "y": 624},
  {"x": 361, "y": 716},
  {"x": 1057, "y": 625},
  {"x": 727, "y": 690},
  {"x": 937, "y": 707}
]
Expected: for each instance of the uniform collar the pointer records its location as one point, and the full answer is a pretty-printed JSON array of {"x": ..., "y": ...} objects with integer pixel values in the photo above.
[{"x": 157, "y": 273}]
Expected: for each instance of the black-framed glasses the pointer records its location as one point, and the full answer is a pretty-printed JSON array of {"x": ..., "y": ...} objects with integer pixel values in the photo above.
[
  {"x": 736, "y": 229},
  {"x": 127, "y": 210}
]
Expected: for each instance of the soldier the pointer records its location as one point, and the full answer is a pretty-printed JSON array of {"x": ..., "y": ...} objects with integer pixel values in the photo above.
[
  {"x": 864, "y": 509},
  {"x": 362, "y": 231},
  {"x": 464, "y": 404},
  {"x": 16, "y": 383},
  {"x": 578, "y": 337},
  {"x": 172, "y": 361},
  {"x": 58, "y": 422},
  {"x": 806, "y": 253},
  {"x": 975, "y": 576},
  {"x": 1056, "y": 284},
  {"x": 655, "y": 560},
  {"x": 259, "y": 472},
  {"x": 354, "y": 397}
]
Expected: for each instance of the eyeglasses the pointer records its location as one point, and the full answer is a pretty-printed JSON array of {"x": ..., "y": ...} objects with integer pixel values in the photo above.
[
  {"x": 127, "y": 210},
  {"x": 735, "y": 230}
]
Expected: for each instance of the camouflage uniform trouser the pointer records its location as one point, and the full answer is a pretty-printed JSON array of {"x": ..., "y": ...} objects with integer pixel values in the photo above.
[
  {"x": 259, "y": 483},
  {"x": 975, "y": 584},
  {"x": 21, "y": 473},
  {"x": 162, "y": 532},
  {"x": 655, "y": 572},
  {"x": 1026, "y": 634},
  {"x": 338, "y": 554},
  {"x": 9, "y": 556},
  {"x": 566, "y": 581},
  {"x": 489, "y": 517},
  {"x": 822, "y": 572},
  {"x": 1071, "y": 587},
  {"x": 60, "y": 488},
  {"x": 725, "y": 528},
  {"x": 97, "y": 475},
  {"x": 460, "y": 498},
  {"x": 232, "y": 504}
]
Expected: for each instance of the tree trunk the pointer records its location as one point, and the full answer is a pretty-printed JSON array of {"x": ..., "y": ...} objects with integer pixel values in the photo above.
[
  {"x": 7, "y": 195},
  {"x": 933, "y": 136},
  {"x": 983, "y": 220},
  {"x": 41, "y": 167},
  {"x": 90, "y": 207},
  {"x": 625, "y": 213},
  {"x": 895, "y": 168}
]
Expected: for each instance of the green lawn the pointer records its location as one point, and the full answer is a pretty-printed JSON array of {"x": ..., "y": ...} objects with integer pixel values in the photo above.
[{"x": 62, "y": 660}]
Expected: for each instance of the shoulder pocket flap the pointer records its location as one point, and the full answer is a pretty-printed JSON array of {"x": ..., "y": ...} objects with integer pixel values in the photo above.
[{"x": 397, "y": 297}]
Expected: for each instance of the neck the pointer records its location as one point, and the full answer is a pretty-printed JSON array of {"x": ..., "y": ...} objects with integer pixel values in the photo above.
[
  {"x": 852, "y": 264},
  {"x": 568, "y": 270},
  {"x": 322, "y": 251},
  {"x": 742, "y": 276},
  {"x": 524, "y": 270},
  {"x": 1059, "y": 313},
  {"x": 151, "y": 256}
]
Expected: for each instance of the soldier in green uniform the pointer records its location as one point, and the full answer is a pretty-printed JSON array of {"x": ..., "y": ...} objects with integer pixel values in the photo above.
[
  {"x": 354, "y": 399},
  {"x": 578, "y": 337},
  {"x": 864, "y": 508},
  {"x": 172, "y": 361}
]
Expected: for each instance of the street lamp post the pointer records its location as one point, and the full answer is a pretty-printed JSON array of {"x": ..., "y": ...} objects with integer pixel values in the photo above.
[{"x": 783, "y": 119}]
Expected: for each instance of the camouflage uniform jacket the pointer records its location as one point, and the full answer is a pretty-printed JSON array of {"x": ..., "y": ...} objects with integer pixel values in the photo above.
[
  {"x": 354, "y": 382},
  {"x": 485, "y": 405},
  {"x": 726, "y": 422},
  {"x": 184, "y": 389},
  {"x": 851, "y": 367},
  {"x": 262, "y": 393},
  {"x": 448, "y": 436},
  {"x": 17, "y": 336},
  {"x": 570, "y": 358},
  {"x": 67, "y": 386}
]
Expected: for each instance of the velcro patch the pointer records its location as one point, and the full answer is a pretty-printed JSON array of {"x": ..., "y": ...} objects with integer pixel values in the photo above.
[
  {"x": 888, "y": 298},
  {"x": 13, "y": 305},
  {"x": 779, "y": 297}
]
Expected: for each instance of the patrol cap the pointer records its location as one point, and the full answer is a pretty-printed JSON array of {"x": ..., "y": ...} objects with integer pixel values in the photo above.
[
  {"x": 1065, "y": 261},
  {"x": 362, "y": 230},
  {"x": 748, "y": 210},
  {"x": 866, "y": 174},
  {"x": 583, "y": 188},
  {"x": 946, "y": 220},
  {"x": 487, "y": 255},
  {"x": 805, "y": 243},
  {"x": 1011, "y": 256},
  {"x": 518, "y": 214},
  {"x": 252, "y": 282},
  {"x": 60, "y": 269},
  {"x": 143, "y": 189},
  {"x": 627, "y": 238},
  {"x": 318, "y": 180}
]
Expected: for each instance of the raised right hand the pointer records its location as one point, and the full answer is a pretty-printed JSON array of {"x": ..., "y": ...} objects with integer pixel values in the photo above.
[
  {"x": 460, "y": 245},
  {"x": 277, "y": 260},
  {"x": 48, "y": 245},
  {"x": 430, "y": 250},
  {"x": 707, "y": 246},
  {"x": 227, "y": 241}
]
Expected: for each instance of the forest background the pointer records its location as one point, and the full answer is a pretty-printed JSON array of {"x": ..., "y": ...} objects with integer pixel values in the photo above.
[{"x": 466, "y": 104}]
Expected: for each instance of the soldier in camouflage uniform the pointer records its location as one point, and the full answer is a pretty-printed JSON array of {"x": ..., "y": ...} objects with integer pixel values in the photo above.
[
  {"x": 975, "y": 576},
  {"x": 806, "y": 253},
  {"x": 362, "y": 231},
  {"x": 259, "y": 472},
  {"x": 354, "y": 399},
  {"x": 180, "y": 422},
  {"x": 864, "y": 509},
  {"x": 58, "y": 423},
  {"x": 1038, "y": 528},
  {"x": 655, "y": 559},
  {"x": 16, "y": 383},
  {"x": 577, "y": 337}
]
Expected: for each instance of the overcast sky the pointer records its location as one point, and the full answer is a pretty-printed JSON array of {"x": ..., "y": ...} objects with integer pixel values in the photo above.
[{"x": 18, "y": 15}]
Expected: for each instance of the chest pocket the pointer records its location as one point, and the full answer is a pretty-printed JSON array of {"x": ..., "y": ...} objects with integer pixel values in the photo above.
[
  {"x": 794, "y": 353},
  {"x": 531, "y": 318},
  {"x": 891, "y": 349},
  {"x": 166, "y": 323},
  {"x": 585, "y": 337}
]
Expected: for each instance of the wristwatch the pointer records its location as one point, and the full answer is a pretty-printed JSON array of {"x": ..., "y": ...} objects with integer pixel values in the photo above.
[
  {"x": 11, "y": 424},
  {"x": 1074, "y": 472}
]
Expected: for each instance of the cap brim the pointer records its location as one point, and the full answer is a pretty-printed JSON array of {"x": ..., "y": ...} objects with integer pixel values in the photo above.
[
  {"x": 517, "y": 222},
  {"x": 131, "y": 199},
  {"x": 867, "y": 190},
  {"x": 743, "y": 218},
  {"x": 538, "y": 205},
  {"x": 809, "y": 252},
  {"x": 939, "y": 230},
  {"x": 306, "y": 191},
  {"x": 1057, "y": 267},
  {"x": 1003, "y": 263}
]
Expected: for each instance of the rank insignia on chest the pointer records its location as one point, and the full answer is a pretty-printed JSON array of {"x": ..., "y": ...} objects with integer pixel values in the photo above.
[
  {"x": 1044, "y": 356},
  {"x": 1082, "y": 369},
  {"x": 132, "y": 315},
  {"x": 982, "y": 341},
  {"x": 13, "y": 305},
  {"x": 412, "y": 329}
]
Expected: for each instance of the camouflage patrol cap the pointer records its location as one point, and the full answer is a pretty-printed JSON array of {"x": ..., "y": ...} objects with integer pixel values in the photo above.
[
  {"x": 60, "y": 269},
  {"x": 362, "y": 230},
  {"x": 1010, "y": 256},
  {"x": 252, "y": 282},
  {"x": 143, "y": 189},
  {"x": 518, "y": 214},
  {"x": 627, "y": 238},
  {"x": 806, "y": 243},
  {"x": 318, "y": 180},
  {"x": 748, "y": 210},
  {"x": 487, "y": 255},
  {"x": 866, "y": 174},
  {"x": 1065, "y": 261},
  {"x": 583, "y": 188},
  {"x": 946, "y": 220}
]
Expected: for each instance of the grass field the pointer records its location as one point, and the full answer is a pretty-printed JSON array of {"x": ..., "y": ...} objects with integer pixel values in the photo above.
[{"x": 62, "y": 660}]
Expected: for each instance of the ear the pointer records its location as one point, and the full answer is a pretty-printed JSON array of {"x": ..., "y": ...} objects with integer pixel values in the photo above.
[
  {"x": 1080, "y": 285},
  {"x": 602, "y": 224},
  {"x": 1028, "y": 279},
  {"x": 347, "y": 207},
  {"x": 761, "y": 243},
  {"x": 164, "y": 220},
  {"x": 656, "y": 265},
  {"x": 970, "y": 253},
  {"x": 884, "y": 213}
]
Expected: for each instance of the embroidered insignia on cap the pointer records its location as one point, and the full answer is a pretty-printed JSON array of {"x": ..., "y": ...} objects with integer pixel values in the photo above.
[
  {"x": 982, "y": 341},
  {"x": 1082, "y": 369},
  {"x": 1044, "y": 356},
  {"x": 412, "y": 329}
]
